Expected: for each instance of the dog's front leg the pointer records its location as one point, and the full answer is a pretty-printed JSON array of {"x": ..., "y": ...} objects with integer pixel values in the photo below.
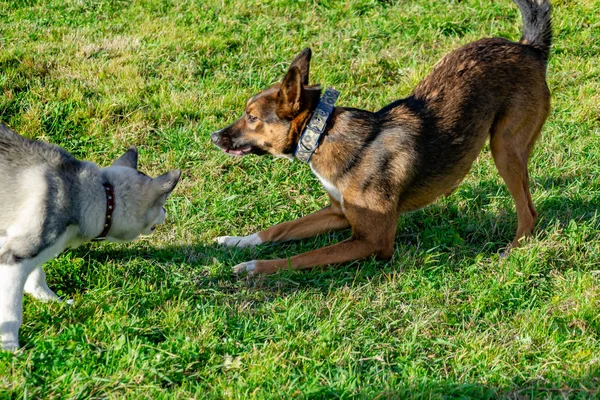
[
  {"x": 372, "y": 233},
  {"x": 328, "y": 219},
  {"x": 12, "y": 283}
]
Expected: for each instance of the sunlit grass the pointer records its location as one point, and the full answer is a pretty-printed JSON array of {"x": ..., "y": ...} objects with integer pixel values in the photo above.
[{"x": 164, "y": 317}]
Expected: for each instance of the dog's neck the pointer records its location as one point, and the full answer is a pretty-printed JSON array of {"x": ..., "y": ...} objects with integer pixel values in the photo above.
[
  {"x": 110, "y": 208},
  {"x": 348, "y": 133},
  {"x": 315, "y": 127},
  {"x": 90, "y": 195}
]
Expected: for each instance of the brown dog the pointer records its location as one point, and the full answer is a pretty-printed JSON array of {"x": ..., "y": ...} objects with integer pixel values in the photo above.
[{"x": 376, "y": 165}]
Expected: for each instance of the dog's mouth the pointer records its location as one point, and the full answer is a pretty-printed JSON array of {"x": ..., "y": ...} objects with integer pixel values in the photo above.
[
  {"x": 239, "y": 151},
  {"x": 236, "y": 148}
]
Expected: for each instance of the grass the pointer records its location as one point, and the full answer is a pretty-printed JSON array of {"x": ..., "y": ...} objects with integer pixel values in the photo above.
[{"x": 164, "y": 317}]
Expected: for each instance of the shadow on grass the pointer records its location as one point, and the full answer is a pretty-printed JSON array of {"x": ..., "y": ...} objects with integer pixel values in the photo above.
[
  {"x": 585, "y": 387},
  {"x": 457, "y": 233}
]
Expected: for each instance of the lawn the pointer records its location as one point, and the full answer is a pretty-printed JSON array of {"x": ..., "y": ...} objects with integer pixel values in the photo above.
[{"x": 164, "y": 317}]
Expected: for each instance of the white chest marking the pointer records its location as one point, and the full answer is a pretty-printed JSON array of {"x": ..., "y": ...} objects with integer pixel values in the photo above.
[{"x": 330, "y": 187}]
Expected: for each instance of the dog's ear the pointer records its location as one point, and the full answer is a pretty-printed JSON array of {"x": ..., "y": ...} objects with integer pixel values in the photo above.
[
  {"x": 290, "y": 93},
  {"x": 129, "y": 159},
  {"x": 166, "y": 182},
  {"x": 302, "y": 61}
]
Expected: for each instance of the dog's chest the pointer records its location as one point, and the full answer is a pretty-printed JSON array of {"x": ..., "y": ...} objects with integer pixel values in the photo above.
[{"x": 330, "y": 187}]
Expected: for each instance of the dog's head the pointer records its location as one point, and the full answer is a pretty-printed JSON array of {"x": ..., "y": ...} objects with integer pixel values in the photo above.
[
  {"x": 139, "y": 199},
  {"x": 273, "y": 119}
]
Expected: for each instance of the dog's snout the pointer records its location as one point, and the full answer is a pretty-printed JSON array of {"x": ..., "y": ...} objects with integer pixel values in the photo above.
[{"x": 214, "y": 137}]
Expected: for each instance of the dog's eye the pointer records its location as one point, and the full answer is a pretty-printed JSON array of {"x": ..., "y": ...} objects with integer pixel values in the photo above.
[{"x": 251, "y": 118}]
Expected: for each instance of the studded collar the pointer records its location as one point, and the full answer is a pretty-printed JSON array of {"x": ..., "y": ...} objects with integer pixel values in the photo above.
[
  {"x": 309, "y": 141},
  {"x": 109, "y": 190}
]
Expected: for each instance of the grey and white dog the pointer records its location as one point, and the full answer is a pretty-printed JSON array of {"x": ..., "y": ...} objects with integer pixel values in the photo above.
[{"x": 50, "y": 201}]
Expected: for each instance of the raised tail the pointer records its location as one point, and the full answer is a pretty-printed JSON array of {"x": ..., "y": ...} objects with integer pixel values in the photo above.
[{"x": 537, "y": 26}]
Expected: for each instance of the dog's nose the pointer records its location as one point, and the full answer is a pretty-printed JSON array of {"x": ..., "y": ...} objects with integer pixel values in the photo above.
[{"x": 214, "y": 137}]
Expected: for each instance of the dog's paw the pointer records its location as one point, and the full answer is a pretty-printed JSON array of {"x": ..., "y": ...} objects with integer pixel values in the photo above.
[
  {"x": 43, "y": 294},
  {"x": 247, "y": 267},
  {"x": 239, "y": 241},
  {"x": 10, "y": 341},
  {"x": 10, "y": 346},
  {"x": 229, "y": 241}
]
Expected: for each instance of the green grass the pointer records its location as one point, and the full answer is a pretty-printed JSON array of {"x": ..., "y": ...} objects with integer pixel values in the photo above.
[{"x": 165, "y": 318}]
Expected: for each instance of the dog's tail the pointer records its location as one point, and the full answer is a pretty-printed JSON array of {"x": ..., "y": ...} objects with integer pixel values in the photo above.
[{"x": 537, "y": 26}]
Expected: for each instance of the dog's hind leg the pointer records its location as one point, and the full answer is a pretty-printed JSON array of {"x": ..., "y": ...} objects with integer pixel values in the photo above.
[
  {"x": 511, "y": 144},
  {"x": 37, "y": 287}
]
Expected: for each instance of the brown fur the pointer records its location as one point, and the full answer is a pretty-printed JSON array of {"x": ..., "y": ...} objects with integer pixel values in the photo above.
[{"x": 406, "y": 155}]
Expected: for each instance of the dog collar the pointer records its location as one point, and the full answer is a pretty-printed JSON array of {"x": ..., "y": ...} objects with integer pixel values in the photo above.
[
  {"x": 309, "y": 140},
  {"x": 110, "y": 208}
]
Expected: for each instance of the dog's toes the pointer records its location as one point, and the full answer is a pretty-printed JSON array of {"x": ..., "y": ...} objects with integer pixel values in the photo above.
[
  {"x": 245, "y": 267},
  {"x": 70, "y": 301},
  {"x": 42, "y": 294},
  {"x": 229, "y": 241},
  {"x": 10, "y": 342},
  {"x": 239, "y": 241},
  {"x": 10, "y": 346}
]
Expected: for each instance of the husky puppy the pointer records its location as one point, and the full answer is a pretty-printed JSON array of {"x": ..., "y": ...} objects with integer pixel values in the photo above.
[{"x": 50, "y": 201}]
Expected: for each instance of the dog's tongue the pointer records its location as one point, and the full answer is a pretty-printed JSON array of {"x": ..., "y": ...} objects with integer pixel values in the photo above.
[{"x": 238, "y": 152}]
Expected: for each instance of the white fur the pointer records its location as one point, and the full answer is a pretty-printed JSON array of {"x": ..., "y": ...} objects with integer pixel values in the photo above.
[
  {"x": 34, "y": 186},
  {"x": 37, "y": 287},
  {"x": 330, "y": 187},
  {"x": 28, "y": 222},
  {"x": 26, "y": 276},
  {"x": 240, "y": 241},
  {"x": 248, "y": 267}
]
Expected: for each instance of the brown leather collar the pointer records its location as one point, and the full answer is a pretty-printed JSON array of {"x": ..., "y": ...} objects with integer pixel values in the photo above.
[{"x": 110, "y": 208}]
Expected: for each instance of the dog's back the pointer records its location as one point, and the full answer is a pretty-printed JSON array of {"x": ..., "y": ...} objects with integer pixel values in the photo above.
[
  {"x": 27, "y": 169},
  {"x": 468, "y": 97},
  {"x": 18, "y": 152},
  {"x": 492, "y": 88}
]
